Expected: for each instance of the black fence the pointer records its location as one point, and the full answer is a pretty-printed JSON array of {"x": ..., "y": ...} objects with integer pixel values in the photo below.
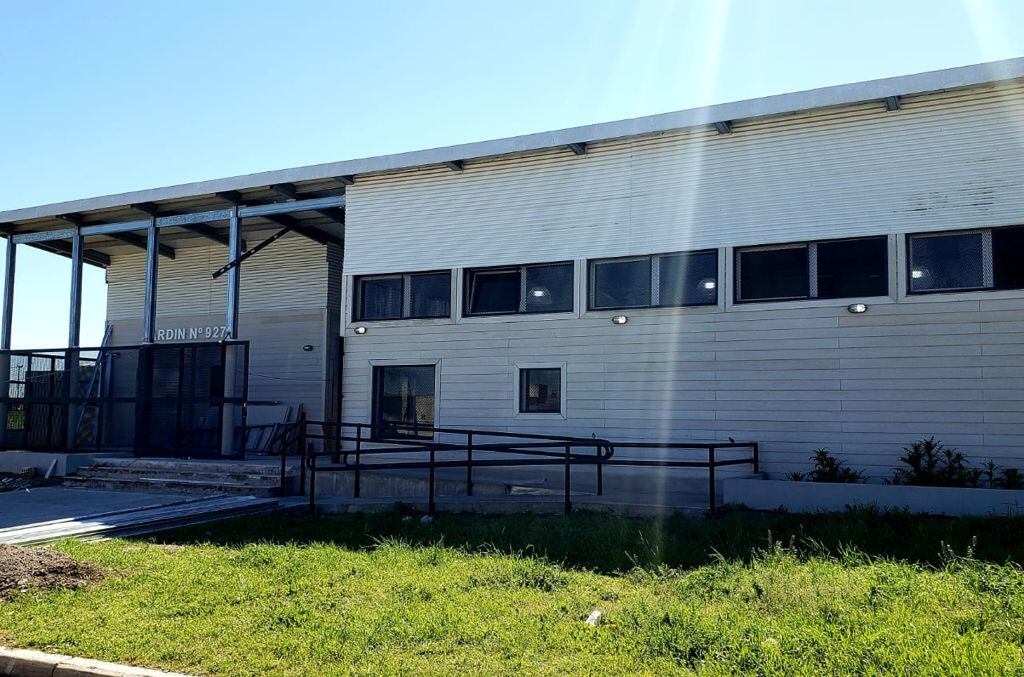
[
  {"x": 154, "y": 400},
  {"x": 361, "y": 447}
]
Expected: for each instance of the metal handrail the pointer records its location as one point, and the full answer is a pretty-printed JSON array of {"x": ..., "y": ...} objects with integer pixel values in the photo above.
[{"x": 546, "y": 450}]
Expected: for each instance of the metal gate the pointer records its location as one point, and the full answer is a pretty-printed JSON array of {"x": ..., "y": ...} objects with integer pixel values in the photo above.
[{"x": 179, "y": 400}]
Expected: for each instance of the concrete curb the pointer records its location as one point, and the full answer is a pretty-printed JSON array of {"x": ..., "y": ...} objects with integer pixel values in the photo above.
[{"x": 25, "y": 663}]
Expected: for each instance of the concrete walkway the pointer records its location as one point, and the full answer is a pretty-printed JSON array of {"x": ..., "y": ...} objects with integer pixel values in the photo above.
[{"x": 44, "y": 504}]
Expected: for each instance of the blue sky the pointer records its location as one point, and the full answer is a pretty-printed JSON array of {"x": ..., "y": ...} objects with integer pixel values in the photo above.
[{"x": 106, "y": 96}]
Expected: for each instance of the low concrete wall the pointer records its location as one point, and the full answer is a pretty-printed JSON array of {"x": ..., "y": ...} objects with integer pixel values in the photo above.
[
  {"x": 16, "y": 461},
  {"x": 829, "y": 497}
]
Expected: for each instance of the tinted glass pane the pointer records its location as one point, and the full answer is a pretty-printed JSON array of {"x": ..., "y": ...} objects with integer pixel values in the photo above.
[
  {"x": 493, "y": 291},
  {"x": 621, "y": 284},
  {"x": 549, "y": 288},
  {"x": 943, "y": 262},
  {"x": 540, "y": 391},
  {"x": 380, "y": 298},
  {"x": 1008, "y": 257},
  {"x": 404, "y": 401},
  {"x": 688, "y": 279},
  {"x": 430, "y": 295},
  {"x": 773, "y": 274},
  {"x": 852, "y": 268}
]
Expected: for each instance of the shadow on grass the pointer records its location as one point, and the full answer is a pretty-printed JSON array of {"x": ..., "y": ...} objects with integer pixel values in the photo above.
[{"x": 609, "y": 544}]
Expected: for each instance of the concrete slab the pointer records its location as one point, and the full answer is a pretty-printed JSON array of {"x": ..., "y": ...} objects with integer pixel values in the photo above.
[{"x": 43, "y": 504}]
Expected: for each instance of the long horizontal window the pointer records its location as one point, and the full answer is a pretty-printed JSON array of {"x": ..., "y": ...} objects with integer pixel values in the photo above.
[
  {"x": 542, "y": 288},
  {"x": 829, "y": 269},
  {"x": 966, "y": 260},
  {"x": 403, "y": 296},
  {"x": 658, "y": 280}
]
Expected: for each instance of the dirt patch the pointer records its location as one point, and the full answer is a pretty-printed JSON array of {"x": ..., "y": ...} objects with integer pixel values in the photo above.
[{"x": 23, "y": 569}]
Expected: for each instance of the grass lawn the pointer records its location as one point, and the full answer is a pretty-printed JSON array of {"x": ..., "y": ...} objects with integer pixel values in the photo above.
[{"x": 773, "y": 594}]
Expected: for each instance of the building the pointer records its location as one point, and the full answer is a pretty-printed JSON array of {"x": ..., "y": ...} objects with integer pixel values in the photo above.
[{"x": 842, "y": 267}]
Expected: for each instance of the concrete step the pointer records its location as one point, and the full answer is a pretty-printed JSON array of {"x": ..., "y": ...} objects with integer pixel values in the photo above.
[
  {"x": 175, "y": 485},
  {"x": 271, "y": 468},
  {"x": 126, "y": 473}
]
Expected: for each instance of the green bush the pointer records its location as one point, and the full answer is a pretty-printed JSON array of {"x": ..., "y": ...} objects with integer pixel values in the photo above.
[
  {"x": 932, "y": 464},
  {"x": 828, "y": 468}
]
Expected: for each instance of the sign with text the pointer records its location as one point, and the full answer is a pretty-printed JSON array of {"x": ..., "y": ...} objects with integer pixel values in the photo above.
[{"x": 202, "y": 333}]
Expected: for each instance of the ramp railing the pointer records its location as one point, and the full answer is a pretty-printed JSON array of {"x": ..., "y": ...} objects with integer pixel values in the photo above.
[{"x": 329, "y": 446}]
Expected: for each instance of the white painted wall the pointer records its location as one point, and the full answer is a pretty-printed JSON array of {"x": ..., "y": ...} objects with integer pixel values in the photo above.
[
  {"x": 285, "y": 305},
  {"x": 793, "y": 376}
]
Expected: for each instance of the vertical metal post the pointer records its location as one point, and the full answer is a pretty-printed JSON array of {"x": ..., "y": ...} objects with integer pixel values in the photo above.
[
  {"x": 568, "y": 481},
  {"x": 8, "y": 309},
  {"x": 152, "y": 268},
  {"x": 227, "y": 439},
  {"x": 711, "y": 481},
  {"x": 359, "y": 448},
  {"x": 600, "y": 470},
  {"x": 469, "y": 463},
  {"x": 74, "y": 339},
  {"x": 6, "y": 324},
  {"x": 312, "y": 483},
  {"x": 430, "y": 495},
  {"x": 757, "y": 459},
  {"x": 303, "y": 450}
]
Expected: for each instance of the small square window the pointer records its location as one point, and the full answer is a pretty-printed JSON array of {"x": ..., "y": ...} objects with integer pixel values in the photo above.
[
  {"x": 380, "y": 298},
  {"x": 621, "y": 284},
  {"x": 540, "y": 391},
  {"x": 776, "y": 274},
  {"x": 688, "y": 279},
  {"x": 848, "y": 268},
  {"x": 947, "y": 262}
]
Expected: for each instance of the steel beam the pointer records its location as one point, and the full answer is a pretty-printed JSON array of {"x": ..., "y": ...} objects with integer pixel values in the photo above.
[
  {"x": 202, "y": 229},
  {"x": 310, "y": 205},
  {"x": 578, "y": 148},
  {"x": 62, "y": 248},
  {"x": 455, "y": 165},
  {"x": 234, "y": 273},
  {"x": 152, "y": 270},
  {"x": 282, "y": 219},
  {"x": 724, "y": 127},
  {"x": 44, "y": 236},
  {"x": 75, "y": 319},
  {"x": 289, "y": 191},
  {"x": 893, "y": 103},
  {"x": 7, "y": 316}
]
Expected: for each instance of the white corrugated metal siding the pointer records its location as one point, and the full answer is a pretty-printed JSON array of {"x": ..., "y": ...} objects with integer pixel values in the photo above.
[{"x": 794, "y": 376}]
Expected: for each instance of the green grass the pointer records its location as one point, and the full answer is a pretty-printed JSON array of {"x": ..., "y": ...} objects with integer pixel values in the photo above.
[{"x": 746, "y": 593}]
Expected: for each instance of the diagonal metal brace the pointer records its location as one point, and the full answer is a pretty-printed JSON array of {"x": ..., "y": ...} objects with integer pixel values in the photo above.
[{"x": 249, "y": 252}]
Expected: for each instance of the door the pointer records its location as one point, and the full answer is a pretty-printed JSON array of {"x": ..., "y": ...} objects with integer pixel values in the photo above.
[{"x": 404, "y": 401}]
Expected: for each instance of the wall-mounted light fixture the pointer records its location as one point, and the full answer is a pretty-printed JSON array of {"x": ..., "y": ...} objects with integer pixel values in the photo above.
[
  {"x": 708, "y": 284},
  {"x": 620, "y": 319},
  {"x": 308, "y": 348},
  {"x": 360, "y": 330},
  {"x": 857, "y": 308}
]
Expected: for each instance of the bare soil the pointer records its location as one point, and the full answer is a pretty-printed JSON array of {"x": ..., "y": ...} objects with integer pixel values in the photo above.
[{"x": 23, "y": 569}]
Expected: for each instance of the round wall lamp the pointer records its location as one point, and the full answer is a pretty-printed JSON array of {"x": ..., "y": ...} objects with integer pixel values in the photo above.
[
  {"x": 620, "y": 319},
  {"x": 857, "y": 308},
  {"x": 360, "y": 330},
  {"x": 308, "y": 348}
]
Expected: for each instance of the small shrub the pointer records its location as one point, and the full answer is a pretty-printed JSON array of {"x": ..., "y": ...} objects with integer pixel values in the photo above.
[
  {"x": 828, "y": 468},
  {"x": 1001, "y": 478},
  {"x": 932, "y": 464}
]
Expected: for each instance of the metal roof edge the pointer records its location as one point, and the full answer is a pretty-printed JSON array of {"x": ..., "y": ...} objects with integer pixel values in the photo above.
[{"x": 824, "y": 97}]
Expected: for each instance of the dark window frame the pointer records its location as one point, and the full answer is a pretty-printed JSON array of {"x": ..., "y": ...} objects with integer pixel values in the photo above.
[
  {"x": 523, "y": 391},
  {"x": 655, "y": 266},
  {"x": 406, "y": 279},
  {"x": 989, "y": 252},
  {"x": 812, "y": 272},
  {"x": 521, "y": 269}
]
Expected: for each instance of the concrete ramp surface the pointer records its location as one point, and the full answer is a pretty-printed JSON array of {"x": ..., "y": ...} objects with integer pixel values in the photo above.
[{"x": 51, "y": 513}]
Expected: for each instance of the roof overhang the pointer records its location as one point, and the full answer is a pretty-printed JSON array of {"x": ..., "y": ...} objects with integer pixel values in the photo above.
[{"x": 330, "y": 179}]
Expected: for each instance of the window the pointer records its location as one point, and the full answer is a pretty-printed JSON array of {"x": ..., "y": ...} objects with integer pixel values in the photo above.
[
  {"x": 659, "y": 280},
  {"x": 966, "y": 260},
  {"x": 540, "y": 390},
  {"x": 403, "y": 296},
  {"x": 544, "y": 288},
  {"x": 830, "y": 269},
  {"x": 403, "y": 401}
]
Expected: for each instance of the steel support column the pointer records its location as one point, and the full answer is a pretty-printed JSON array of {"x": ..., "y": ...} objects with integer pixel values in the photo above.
[
  {"x": 6, "y": 323},
  {"x": 74, "y": 337},
  {"x": 227, "y": 440},
  {"x": 152, "y": 270}
]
